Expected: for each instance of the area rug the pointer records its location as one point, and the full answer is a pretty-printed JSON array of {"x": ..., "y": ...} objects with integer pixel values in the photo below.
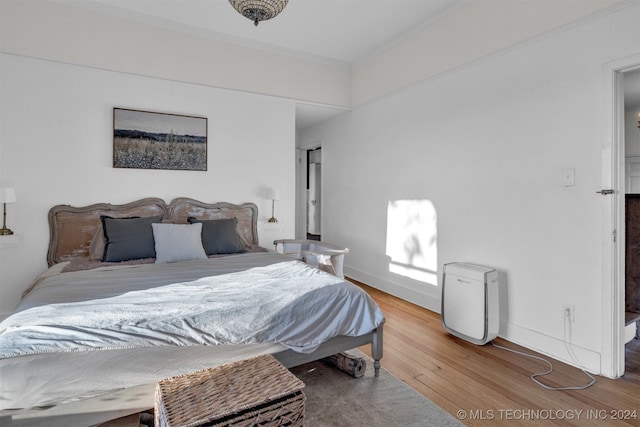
[{"x": 335, "y": 398}]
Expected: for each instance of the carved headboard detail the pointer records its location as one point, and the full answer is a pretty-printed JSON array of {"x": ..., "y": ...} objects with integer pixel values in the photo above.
[{"x": 71, "y": 229}]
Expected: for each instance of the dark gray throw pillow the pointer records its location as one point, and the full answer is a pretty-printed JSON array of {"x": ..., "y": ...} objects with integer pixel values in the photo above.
[
  {"x": 219, "y": 236},
  {"x": 128, "y": 238}
]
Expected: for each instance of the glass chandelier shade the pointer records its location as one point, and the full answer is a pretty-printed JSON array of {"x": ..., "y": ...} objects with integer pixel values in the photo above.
[{"x": 258, "y": 10}]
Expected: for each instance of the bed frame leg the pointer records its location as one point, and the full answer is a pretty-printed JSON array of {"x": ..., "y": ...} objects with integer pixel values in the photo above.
[{"x": 376, "y": 349}]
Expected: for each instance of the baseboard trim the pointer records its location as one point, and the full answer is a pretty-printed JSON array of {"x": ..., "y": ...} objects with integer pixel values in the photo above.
[
  {"x": 553, "y": 347},
  {"x": 422, "y": 299},
  {"x": 546, "y": 345}
]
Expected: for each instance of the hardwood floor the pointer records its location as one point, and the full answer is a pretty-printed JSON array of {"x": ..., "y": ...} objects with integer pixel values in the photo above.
[{"x": 488, "y": 386}]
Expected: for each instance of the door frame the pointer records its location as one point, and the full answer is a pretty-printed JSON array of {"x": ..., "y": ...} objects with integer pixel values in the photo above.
[
  {"x": 301, "y": 188},
  {"x": 613, "y": 226}
]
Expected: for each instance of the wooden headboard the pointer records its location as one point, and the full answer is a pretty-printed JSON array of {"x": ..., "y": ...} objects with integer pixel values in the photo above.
[{"x": 71, "y": 229}]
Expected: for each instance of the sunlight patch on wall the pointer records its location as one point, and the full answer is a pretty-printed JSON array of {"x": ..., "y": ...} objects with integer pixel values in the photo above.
[{"x": 412, "y": 240}]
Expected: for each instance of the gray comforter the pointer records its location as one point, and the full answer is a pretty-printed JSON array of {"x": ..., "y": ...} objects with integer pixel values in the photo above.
[
  {"x": 242, "y": 299},
  {"x": 85, "y": 334}
]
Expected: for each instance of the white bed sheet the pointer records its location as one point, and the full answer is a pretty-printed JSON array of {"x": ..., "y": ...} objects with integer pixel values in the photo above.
[
  {"x": 166, "y": 319},
  {"x": 55, "y": 379}
]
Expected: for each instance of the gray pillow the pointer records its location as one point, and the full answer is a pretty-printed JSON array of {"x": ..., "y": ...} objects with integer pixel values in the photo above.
[
  {"x": 219, "y": 236},
  {"x": 128, "y": 238},
  {"x": 178, "y": 242}
]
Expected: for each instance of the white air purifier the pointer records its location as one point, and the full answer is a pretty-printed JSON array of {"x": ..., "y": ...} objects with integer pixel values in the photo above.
[{"x": 470, "y": 302}]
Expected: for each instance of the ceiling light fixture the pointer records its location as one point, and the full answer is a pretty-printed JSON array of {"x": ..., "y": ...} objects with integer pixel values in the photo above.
[{"x": 258, "y": 10}]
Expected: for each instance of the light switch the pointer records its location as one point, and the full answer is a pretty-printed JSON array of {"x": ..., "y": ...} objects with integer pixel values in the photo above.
[{"x": 568, "y": 177}]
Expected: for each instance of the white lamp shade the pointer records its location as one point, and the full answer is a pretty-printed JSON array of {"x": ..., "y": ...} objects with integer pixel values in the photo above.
[
  {"x": 7, "y": 195},
  {"x": 274, "y": 194}
]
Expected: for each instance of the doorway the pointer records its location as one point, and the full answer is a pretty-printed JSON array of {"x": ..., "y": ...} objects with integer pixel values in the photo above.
[
  {"x": 314, "y": 193},
  {"x": 309, "y": 192},
  {"x": 612, "y": 361},
  {"x": 631, "y": 184}
]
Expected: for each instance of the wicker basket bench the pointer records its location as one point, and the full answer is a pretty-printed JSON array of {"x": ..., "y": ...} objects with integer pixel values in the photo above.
[{"x": 254, "y": 392}]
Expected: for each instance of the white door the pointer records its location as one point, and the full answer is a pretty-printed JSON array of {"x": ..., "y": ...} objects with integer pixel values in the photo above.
[
  {"x": 632, "y": 175},
  {"x": 313, "y": 209}
]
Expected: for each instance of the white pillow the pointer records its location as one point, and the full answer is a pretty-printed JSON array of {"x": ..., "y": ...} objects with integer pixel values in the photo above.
[{"x": 178, "y": 242}]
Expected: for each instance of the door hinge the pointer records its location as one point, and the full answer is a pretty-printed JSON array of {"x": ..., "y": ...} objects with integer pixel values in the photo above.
[{"x": 615, "y": 236}]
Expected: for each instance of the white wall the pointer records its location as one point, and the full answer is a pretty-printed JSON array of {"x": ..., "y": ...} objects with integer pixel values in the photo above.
[
  {"x": 56, "y": 148},
  {"x": 76, "y": 33},
  {"x": 487, "y": 144},
  {"x": 471, "y": 31},
  {"x": 632, "y": 133},
  {"x": 56, "y": 30}
]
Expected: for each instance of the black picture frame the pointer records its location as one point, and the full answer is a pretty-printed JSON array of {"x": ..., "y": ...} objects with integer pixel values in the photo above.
[{"x": 154, "y": 140}]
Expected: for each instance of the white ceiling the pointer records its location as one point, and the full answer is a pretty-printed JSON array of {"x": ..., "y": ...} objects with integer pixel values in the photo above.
[
  {"x": 337, "y": 31},
  {"x": 308, "y": 114}
]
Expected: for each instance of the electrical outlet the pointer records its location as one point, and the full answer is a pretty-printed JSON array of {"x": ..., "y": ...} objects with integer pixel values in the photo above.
[{"x": 569, "y": 312}]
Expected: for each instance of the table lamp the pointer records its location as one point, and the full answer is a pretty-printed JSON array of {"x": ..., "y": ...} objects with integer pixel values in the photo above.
[
  {"x": 274, "y": 195},
  {"x": 7, "y": 195}
]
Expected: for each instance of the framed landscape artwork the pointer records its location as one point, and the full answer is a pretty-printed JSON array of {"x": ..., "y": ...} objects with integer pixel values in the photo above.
[{"x": 148, "y": 140}]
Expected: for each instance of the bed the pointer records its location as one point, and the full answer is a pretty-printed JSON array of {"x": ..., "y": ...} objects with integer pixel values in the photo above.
[{"x": 96, "y": 331}]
